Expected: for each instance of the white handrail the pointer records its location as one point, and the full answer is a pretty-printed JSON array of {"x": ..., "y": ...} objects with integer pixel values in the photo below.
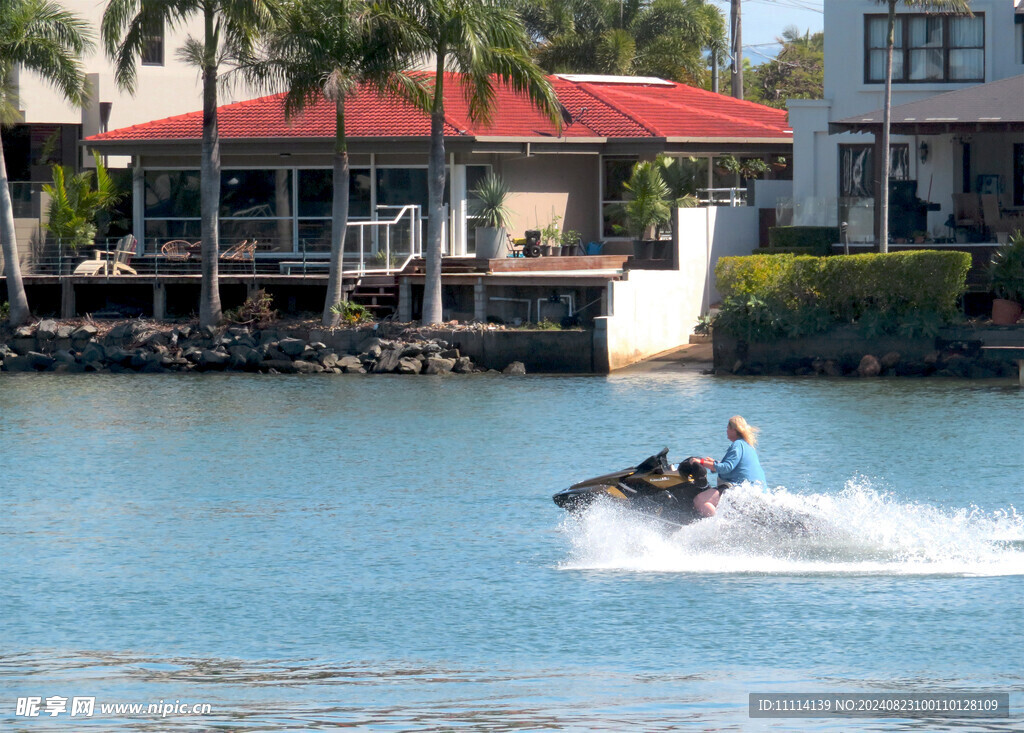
[{"x": 410, "y": 211}]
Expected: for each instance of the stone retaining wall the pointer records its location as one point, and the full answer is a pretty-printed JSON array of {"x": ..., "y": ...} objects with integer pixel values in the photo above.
[
  {"x": 142, "y": 346},
  {"x": 956, "y": 352}
]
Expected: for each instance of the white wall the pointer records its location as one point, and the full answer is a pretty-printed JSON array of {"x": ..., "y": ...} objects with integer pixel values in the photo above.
[{"x": 652, "y": 311}]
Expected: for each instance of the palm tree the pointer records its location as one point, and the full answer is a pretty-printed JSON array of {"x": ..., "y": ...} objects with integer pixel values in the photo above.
[
  {"x": 230, "y": 29},
  {"x": 486, "y": 42},
  {"x": 943, "y": 6},
  {"x": 328, "y": 48},
  {"x": 39, "y": 36}
]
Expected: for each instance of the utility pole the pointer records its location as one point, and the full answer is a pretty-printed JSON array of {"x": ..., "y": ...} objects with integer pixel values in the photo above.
[{"x": 737, "y": 50}]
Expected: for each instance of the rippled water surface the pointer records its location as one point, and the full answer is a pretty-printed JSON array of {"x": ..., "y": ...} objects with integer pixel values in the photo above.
[{"x": 383, "y": 552}]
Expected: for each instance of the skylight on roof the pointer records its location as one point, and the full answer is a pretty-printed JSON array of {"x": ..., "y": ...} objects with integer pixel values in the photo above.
[{"x": 609, "y": 79}]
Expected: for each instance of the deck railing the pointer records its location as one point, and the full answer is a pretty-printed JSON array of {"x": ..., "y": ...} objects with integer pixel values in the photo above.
[{"x": 379, "y": 246}]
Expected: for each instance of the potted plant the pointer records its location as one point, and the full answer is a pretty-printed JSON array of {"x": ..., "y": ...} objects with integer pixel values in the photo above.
[
  {"x": 570, "y": 241},
  {"x": 75, "y": 203},
  {"x": 1006, "y": 273},
  {"x": 489, "y": 208},
  {"x": 646, "y": 207},
  {"x": 550, "y": 236}
]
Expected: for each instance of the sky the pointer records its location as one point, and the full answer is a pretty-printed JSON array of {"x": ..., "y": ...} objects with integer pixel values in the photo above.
[{"x": 764, "y": 21}]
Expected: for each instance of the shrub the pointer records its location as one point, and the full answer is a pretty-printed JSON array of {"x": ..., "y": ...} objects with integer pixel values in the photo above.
[
  {"x": 255, "y": 310},
  {"x": 1006, "y": 271},
  {"x": 5, "y": 311},
  {"x": 816, "y": 240},
  {"x": 352, "y": 313},
  {"x": 774, "y": 295}
]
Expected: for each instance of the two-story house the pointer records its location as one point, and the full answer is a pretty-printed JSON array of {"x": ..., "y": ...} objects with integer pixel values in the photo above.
[{"x": 957, "y": 119}]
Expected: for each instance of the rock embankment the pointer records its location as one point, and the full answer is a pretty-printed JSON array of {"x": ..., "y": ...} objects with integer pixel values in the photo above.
[
  {"x": 136, "y": 346},
  {"x": 959, "y": 363}
]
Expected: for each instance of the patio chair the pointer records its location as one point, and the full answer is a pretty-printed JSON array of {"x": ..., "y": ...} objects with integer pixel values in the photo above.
[
  {"x": 242, "y": 252},
  {"x": 995, "y": 221},
  {"x": 112, "y": 263},
  {"x": 966, "y": 212},
  {"x": 177, "y": 250}
]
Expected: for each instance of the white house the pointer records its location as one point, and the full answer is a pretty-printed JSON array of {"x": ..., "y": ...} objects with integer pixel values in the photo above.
[{"x": 955, "y": 144}]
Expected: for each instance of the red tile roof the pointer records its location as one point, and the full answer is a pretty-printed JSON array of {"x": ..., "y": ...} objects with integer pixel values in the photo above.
[{"x": 600, "y": 107}]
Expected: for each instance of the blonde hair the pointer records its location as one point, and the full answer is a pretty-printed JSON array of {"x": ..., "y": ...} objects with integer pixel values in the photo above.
[{"x": 746, "y": 431}]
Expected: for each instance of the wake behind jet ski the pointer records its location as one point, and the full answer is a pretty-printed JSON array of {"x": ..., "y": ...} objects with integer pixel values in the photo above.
[{"x": 654, "y": 487}]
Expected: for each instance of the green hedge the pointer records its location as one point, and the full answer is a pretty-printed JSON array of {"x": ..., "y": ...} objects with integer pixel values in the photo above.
[
  {"x": 817, "y": 240},
  {"x": 771, "y": 295}
]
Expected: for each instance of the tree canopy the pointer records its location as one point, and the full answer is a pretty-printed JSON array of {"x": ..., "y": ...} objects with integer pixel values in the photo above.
[{"x": 664, "y": 38}]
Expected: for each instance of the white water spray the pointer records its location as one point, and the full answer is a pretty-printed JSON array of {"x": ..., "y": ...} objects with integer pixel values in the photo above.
[{"x": 858, "y": 531}]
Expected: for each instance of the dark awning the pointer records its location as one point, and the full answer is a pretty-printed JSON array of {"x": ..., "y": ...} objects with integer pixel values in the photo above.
[{"x": 994, "y": 107}]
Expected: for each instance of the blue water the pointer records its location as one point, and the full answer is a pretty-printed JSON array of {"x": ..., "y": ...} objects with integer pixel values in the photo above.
[{"x": 304, "y": 552}]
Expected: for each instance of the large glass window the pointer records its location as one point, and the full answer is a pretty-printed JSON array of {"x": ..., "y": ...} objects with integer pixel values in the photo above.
[
  {"x": 255, "y": 194},
  {"x": 615, "y": 171},
  {"x": 316, "y": 193},
  {"x": 857, "y": 168},
  {"x": 172, "y": 194},
  {"x": 927, "y": 48}
]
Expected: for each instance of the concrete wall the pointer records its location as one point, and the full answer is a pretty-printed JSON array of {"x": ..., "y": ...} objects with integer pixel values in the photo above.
[
  {"x": 651, "y": 311},
  {"x": 710, "y": 234},
  {"x": 568, "y": 185}
]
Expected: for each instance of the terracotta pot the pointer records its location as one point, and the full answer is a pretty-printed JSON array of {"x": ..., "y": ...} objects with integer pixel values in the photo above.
[{"x": 1005, "y": 312}]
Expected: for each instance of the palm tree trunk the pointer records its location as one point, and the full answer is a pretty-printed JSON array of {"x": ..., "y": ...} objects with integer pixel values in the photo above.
[
  {"x": 209, "y": 191},
  {"x": 339, "y": 216},
  {"x": 435, "y": 187},
  {"x": 883, "y": 194},
  {"x": 12, "y": 268}
]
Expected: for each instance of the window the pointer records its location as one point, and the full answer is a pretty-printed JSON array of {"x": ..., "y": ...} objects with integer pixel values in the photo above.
[
  {"x": 927, "y": 48},
  {"x": 615, "y": 172},
  {"x": 153, "y": 49},
  {"x": 857, "y": 169}
]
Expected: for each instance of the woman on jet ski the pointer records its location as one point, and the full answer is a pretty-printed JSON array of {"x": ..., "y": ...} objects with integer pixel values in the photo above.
[{"x": 739, "y": 464}]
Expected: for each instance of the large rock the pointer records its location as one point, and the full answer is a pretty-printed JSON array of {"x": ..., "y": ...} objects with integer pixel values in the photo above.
[
  {"x": 84, "y": 333},
  {"x": 22, "y": 346},
  {"x": 367, "y": 344},
  {"x": 64, "y": 331},
  {"x": 40, "y": 362},
  {"x": 388, "y": 362},
  {"x": 437, "y": 365},
  {"x": 24, "y": 332},
  {"x": 351, "y": 365},
  {"x": 46, "y": 330},
  {"x": 890, "y": 360},
  {"x": 275, "y": 354},
  {"x": 18, "y": 364},
  {"x": 63, "y": 356},
  {"x": 282, "y": 366},
  {"x": 306, "y": 367},
  {"x": 117, "y": 355},
  {"x": 210, "y": 359},
  {"x": 291, "y": 346},
  {"x": 328, "y": 359},
  {"x": 93, "y": 352},
  {"x": 463, "y": 365},
  {"x": 411, "y": 349},
  {"x": 431, "y": 348},
  {"x": 516, "y": 368},
  {"x": 449, "y": 354},
  {"x": 409, "y": 365},
  {"x": 869, "y": 366},
  {"x": 371, "y": 354}
]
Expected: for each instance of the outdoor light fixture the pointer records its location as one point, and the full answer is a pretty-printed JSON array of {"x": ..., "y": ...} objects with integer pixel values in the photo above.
[{"x": 923, "y": 151}]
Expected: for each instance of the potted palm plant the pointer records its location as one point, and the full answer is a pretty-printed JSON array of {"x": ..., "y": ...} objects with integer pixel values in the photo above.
[
  {"x": 1006, "y": 274},
  {"x": 646, "y": 207},
  {"x": 490, "y": 209},
  {"x": 76, "y": 200}
]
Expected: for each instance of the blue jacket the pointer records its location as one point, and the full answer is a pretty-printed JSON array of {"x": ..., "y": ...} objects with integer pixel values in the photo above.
[{"x": 740, "y": 464}]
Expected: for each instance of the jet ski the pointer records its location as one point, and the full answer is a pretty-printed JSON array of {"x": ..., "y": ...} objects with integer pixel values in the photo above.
[{"x": 653, "y": 487}]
